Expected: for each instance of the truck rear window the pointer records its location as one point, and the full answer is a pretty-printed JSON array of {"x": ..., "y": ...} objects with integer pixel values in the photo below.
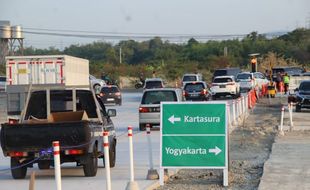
[{"x": 61, "y": 101}]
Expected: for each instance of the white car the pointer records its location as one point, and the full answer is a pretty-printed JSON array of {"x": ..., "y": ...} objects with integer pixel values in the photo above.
[
  {"x": 246, "y": 81},
  {"x": 224, "y": 86},
  {"x": 260, "y": 79},
  {"x": 153, "y": 83},
  {"x": 96, "y": 83},
  {"x": 149, "y": 109}
]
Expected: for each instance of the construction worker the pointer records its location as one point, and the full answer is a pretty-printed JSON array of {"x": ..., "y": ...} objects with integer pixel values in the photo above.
[{"x": 286, "y": 81}]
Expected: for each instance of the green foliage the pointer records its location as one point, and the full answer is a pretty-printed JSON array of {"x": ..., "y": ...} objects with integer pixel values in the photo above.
[
  {"x": 2, "y": 69},
  {"x": 171, "y": 60}
]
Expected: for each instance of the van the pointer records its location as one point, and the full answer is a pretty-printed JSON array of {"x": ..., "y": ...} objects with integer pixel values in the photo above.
[
  {"x": 226, "y": 72},
  {"x": 191, "y": 78}
]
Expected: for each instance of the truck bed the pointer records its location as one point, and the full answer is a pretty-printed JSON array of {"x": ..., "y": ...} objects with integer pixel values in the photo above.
[{"x": 38, "y": 136}]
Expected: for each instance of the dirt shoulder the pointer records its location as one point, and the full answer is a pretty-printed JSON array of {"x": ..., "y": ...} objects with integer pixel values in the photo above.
[{"x": 250, "y": 145}]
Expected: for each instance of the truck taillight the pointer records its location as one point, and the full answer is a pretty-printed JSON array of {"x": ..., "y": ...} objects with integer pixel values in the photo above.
[
  {"x": 17, "y": 154},
  {"x": 143, "y": 110},
  {"x": 213, "y": 84},
  {"x": 117, "y": 93},
  {"x": 73, "y": 152},
  {"x": 231, "y": 83},
  {"x": 101, "y": 94},
  {"x": 13, "y": 121}
]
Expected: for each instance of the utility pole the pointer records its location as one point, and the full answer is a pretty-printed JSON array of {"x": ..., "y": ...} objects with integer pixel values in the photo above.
[
  {"x": 225, "y": 51},
  {"x": 120, "y": 54}
]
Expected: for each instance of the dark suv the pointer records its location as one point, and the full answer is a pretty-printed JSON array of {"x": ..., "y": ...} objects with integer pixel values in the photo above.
[
  {"x": 111, "y": 95},
  {"x": 196, "y": 91},
  {"x": 302, "y": 97}
]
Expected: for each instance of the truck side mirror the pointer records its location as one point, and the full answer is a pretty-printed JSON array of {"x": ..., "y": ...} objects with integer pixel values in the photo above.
[
  {"x": 111, "y": 112},
  {"x": 296, "y": 89}
]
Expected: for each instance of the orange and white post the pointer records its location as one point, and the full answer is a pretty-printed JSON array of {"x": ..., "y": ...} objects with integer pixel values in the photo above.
[
  {"x": 131, "y": 185},
  {"x": 57, "y": 164},
  {"x": 107, "y": 159}
]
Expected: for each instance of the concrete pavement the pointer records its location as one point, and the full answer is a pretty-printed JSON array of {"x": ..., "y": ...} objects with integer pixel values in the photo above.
[{"x": 288, "y": 166}]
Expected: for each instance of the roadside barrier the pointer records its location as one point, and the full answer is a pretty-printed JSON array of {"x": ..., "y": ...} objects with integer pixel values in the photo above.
[
  {"x": 32, "y": 181},
  {"x": 131, "y": 185},
  {"x": 107, "y": 159},
  {"x": 151, "y": 173},
  {"x": 234, "y": 112},
  {"x": 57, "y": 164},
  {"x": 290, "y": 112}
]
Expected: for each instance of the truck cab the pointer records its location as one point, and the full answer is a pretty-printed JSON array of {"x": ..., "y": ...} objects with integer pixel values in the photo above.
[{"x": 75, "y": 117}]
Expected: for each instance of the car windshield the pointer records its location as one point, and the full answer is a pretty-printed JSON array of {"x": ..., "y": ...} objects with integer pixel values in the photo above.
[
  {"x": 189, "y": 78},
  {"x": 153, "y": 84},
  {"x": 112, "y": 89},
  {"x": 2, "y": 79},
  {"x": 244, "y": 76},
  {"x": 155, "y": 97},
  {"x": 222, "y": 80},
  {"x": 305, "y": 86},
  {"x": 194, "y": 87}
]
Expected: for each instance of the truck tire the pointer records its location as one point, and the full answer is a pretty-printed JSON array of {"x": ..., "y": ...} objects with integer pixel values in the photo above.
[
  {"x": 44, "y": 165},
  {"x": 91, "y": 165},
  {"x": 18, "y": 172},
  {"x": 142, "y": 127},
  {"x": 112, "y": 156}
]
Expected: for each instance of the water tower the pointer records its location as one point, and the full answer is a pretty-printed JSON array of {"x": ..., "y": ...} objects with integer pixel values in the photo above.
[
  {"x": 16, "y": 42},
  {"x": 11, "y": 40}
]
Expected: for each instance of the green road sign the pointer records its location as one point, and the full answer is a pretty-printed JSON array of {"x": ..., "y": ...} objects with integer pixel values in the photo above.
[
  {"x": 193, "y": 135},
  {"x": 185, "y": 118}
]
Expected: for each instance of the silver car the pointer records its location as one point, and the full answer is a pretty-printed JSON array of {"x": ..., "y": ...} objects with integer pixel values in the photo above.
[{"x": 149, "y": 109}]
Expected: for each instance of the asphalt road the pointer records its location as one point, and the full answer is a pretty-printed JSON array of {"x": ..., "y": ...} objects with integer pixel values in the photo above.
[{"x": 73, "y": 177}]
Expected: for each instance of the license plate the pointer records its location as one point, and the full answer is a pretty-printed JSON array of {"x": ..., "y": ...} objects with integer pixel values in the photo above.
[
  {"x": 222, "y": 86},
  {"x": 194, "y": 95},
  {"x": 110, "y": 99}
]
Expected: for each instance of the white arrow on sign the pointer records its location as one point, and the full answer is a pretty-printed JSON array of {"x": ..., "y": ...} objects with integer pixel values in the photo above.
[
  {"x": 172, "y": 119},
  {"x": 215, "y": 150}
]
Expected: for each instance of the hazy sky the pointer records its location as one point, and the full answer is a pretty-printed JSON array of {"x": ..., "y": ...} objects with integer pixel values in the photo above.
[{"x": 197, "y": 17}]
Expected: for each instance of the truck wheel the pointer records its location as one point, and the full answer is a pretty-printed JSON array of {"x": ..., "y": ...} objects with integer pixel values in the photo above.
[
  {"x": 18, "y": 172},
  {"x": 44, "y": 165},
  {"x": 91, "y": 165},
  {"x": 112, "y": 156},
  {"x": 142, "y": 127}
]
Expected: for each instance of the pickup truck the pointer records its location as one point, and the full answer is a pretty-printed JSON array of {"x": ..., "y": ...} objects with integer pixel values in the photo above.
[{"x": 74, "y": 117}]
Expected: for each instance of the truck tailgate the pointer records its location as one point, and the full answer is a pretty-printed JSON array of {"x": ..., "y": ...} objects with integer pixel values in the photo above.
[{"x": 38, "y": 136}]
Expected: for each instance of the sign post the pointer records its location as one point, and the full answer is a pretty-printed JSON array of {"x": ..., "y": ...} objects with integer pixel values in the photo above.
[{"x": 194, "y": 135}]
